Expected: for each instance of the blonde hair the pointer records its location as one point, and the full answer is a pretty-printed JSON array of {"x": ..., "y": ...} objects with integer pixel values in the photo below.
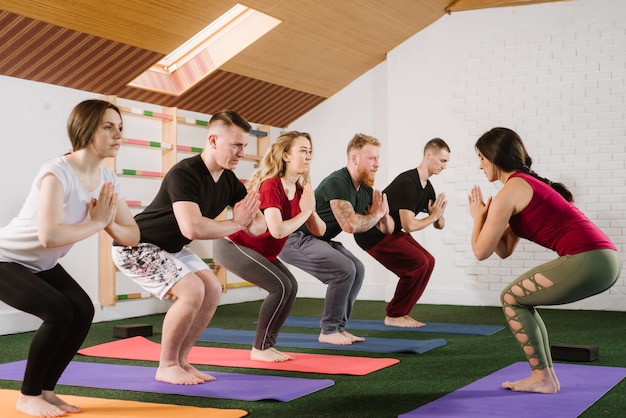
[
  {"x": 358, "y": 141},
  {"x": 272, "y": 163}
]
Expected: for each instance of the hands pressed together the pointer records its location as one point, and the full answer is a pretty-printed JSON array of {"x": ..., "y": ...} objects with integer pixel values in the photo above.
[
  {"x": 379, "y": 207},
  {"x": 478, "y": 208},
  {"x": 104, "y": 208},
  {"x": 244, "y": 211}
]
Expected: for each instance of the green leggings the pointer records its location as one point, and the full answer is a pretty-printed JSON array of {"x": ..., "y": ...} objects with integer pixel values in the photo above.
[{"x": 570, "y": 278}]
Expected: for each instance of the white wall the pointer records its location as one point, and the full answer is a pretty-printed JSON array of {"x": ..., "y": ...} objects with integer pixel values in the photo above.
[{"x": 554, "y": 72}]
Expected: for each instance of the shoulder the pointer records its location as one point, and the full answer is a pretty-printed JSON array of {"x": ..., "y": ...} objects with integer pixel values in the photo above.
[
  {"x": 340, "y": 176},
  {"x": 514, "y": 196},
  {"x": 59, "y": 167},
  {"x": 270, "y": 183}
]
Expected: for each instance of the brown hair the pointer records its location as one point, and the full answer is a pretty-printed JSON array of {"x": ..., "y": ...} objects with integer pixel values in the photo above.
[
  {"x": 505, "y": 149},
  {"x": 436, "y": 144},
  {"x": 230, "y": 118},
  {"x": 85, "y": 120}
]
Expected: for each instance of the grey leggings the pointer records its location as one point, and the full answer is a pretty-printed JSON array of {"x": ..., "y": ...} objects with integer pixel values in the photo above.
[
  {"x": 273, "y": 277},
  {"x": 572, "y": 277}
]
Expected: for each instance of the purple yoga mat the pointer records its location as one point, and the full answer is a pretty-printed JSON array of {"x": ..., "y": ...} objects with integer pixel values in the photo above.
[
  {"x": 243, "y": 387},
  {"x": 581, "y": 386}
]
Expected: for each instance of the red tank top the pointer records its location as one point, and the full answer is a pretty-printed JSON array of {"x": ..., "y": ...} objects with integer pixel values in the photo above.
[{"x": 552, "y": 222}]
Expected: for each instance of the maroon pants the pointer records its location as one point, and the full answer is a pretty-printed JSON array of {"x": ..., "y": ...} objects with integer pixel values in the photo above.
[{"x": 402, "y": 255}]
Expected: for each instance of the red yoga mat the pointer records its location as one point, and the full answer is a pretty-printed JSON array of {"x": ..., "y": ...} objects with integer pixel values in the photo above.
[{"x": 140, "y": 348}]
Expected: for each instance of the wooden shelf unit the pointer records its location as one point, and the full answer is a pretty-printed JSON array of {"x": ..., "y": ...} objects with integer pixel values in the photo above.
[{"x": 169, "y": 156}]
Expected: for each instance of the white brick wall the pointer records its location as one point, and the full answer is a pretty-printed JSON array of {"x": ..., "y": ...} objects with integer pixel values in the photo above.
[{"x": 563, "y": 89}]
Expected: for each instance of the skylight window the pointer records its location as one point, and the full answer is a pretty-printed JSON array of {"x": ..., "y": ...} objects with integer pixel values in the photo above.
[{"x": 206, "y": 51}]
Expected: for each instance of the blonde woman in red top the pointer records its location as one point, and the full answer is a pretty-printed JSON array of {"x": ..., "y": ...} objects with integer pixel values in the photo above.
[{"x": 287, "y": 202}]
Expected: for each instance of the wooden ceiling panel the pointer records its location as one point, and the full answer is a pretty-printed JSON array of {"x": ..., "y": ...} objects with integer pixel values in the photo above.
[
  {"x": 461, "y": 5},
  {"x": 155, "y": 25},
  {"x": 320, "y": 47},
  {"x": 323, "y": 45}
]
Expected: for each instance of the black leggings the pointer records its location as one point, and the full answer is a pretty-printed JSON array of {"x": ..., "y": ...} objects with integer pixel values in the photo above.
[{"x": 66, "y": 311}]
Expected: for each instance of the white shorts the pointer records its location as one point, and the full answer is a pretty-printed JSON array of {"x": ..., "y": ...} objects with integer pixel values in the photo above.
[{"x": 155, "y": 269}]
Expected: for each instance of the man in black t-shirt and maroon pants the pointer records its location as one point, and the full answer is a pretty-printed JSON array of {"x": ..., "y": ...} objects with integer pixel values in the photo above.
[{"x": 409, "y": 194}]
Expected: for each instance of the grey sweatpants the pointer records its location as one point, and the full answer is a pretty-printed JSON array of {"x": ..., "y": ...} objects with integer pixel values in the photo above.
[{"x": 332, "y": 264}]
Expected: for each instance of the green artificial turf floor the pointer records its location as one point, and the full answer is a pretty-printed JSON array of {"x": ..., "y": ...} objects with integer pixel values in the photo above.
[{"x": 415, "y": 381}]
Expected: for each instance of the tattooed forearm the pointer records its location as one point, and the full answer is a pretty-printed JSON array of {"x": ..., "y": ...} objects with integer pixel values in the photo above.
[{"x": 350, "y": 221}]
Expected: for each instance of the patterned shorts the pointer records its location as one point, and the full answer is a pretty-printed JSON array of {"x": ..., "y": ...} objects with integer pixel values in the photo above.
[{"x": 155, "y": 269}]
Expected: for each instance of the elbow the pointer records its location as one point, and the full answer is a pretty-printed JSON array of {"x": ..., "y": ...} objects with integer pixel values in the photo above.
[
  {"x": 189, "y": 232},
  {"x": 277, "y": 234},
  {"x": 46, "y": 241},
  {"x": 46, "y": 238},
  {"x": 481, "y": 255},
  {"x": 132, "y": 240},
  {"x": 349, "y": 228}
]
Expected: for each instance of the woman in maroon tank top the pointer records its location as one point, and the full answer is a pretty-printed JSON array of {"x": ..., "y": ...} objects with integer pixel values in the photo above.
[{"x": 536, "y": 209}]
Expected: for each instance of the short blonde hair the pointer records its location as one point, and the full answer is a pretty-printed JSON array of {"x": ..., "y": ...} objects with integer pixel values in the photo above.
[{"x": 358, "y": 141}]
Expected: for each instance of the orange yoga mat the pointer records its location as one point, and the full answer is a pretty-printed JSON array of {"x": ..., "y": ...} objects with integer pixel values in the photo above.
[
  {"x": 101, "y": 408},
  {"x": 140, "y": 348}
]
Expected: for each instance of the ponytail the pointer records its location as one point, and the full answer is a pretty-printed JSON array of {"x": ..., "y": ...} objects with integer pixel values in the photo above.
[{"x": 558, "y": 187}]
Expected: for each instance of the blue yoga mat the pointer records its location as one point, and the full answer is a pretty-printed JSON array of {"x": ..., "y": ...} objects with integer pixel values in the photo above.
[
  {"x": 378, "y": 325},
  {"x": 373, "y": 345},
  {"x": 581, "y": 386},
  {"x": 242, "y": 387}
]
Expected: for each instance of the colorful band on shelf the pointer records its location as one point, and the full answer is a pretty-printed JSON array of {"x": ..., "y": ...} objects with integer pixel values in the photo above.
[
  {"x": 192, "y": 121},
  {"x": 188, "y": 148},
  {"x": 128, "y": 296},
  {"x": 146, "y": 143},
  {"x": 145, "y": 173},
  {"x": 150, "y": 113}
]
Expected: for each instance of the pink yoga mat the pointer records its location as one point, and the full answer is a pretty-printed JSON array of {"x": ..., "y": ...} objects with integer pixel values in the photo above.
[{"x": 139, "y": 348}]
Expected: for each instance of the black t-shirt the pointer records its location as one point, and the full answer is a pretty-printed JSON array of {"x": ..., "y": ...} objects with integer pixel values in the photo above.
[
  {"x": 338, "y": 186},
  {"x": 404, "y": 192},
  {"x": 190, "y": 181}
]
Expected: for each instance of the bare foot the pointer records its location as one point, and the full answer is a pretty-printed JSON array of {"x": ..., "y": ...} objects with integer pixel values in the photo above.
[
  {"x": 336, "y": 338},
  {"x": 556, "y": 380},
  {"x": 176, "y": 375},
  {"x": 50, "y": 397},
  {"x": 287, "y": 356},
  {"x": 403, "y": 322},
  {"x": 268, "y": 355},
  {"x": 354, "y": 338},
  {"x": 197, "y": 373},
  {"x": 539, "y": 381},
  {"x": 36, "y": 406}
]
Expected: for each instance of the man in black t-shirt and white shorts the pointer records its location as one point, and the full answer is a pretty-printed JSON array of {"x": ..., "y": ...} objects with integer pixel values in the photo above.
[{"x": 193, "y": 193}]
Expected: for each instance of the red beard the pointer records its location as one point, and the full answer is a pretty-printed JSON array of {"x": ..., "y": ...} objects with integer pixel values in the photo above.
[{"x": 366, "y": 178}]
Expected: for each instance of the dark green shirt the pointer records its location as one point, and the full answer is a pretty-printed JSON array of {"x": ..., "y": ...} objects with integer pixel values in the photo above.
[{"x": 338, "y": 186}]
